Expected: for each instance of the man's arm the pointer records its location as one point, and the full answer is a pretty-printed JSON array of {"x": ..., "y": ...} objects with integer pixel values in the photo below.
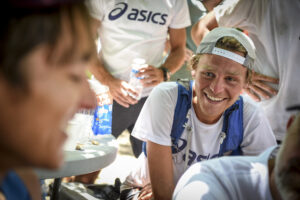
[
  {"x": 203, "y": 26},
  {"x": 177, "y": 42},
  {"x": 161, "y": 170},
  {"x": 174, "y": 61},
  {"x": 119, "y": 89}
]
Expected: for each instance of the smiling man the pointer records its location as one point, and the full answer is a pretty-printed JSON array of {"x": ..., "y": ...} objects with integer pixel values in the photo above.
[{"x": 205, "y": 119}]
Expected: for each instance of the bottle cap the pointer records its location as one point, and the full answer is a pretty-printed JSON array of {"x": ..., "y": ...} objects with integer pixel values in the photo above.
[{"x": 139, "y": 61}]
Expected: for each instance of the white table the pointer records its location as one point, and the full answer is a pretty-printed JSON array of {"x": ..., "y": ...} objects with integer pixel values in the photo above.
[{"x": 78, "y": 162}]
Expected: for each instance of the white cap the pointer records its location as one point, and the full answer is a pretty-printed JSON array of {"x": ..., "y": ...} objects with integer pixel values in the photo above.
[{"x": 208, "y": 45}]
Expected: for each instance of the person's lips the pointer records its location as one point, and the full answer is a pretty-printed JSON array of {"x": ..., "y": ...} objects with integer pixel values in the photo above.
[{"x": 213, "y": 99}]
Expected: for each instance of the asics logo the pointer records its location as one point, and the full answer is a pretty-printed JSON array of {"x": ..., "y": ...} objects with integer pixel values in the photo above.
[
  {"x": 117, "y": 12},
  {"x": 137, "y": 15},
  {"x": 192, "y": 156},
  {"x": 181, "y": 144}
]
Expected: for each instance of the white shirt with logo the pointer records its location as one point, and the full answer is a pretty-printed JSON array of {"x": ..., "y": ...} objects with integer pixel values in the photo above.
[
  {"x": 274, "y": 27},
  {"x": 136, "y": 29},
  {"x": 155, "y": 124}
]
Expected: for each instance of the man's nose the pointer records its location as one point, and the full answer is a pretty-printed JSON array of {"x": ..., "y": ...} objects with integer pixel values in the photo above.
[
  {"x": 88, "y": 98},
  {"x": 217, "y": 85}
]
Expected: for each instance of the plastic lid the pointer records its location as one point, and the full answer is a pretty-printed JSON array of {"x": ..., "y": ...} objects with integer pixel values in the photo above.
[{"x": 139, "y": 61}]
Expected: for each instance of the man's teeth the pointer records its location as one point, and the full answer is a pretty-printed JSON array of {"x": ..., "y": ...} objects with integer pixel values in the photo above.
[{"x": 214, "y": 98}]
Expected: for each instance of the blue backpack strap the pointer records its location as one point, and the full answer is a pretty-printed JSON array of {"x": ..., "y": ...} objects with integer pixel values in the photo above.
[
  {"x": 183, "y": 104},
  {"x": 13, "y": 187},
  {"x": 233, "y": 128}
]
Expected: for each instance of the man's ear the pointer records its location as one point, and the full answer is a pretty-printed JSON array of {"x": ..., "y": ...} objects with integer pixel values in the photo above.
[
  {"x": 193, "y": 73},
  {"x": 290, "y": 121}
]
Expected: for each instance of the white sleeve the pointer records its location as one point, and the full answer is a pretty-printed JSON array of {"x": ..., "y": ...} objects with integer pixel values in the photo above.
[
  {"x": 180, "y": 15},
  {"x": 156, "y": 118},
  {"x": 97, "y": 8},
  {"x": 203, "y": 182},
  {"x": 258, "y": 134},
  {"x": 243, "y": 14}
]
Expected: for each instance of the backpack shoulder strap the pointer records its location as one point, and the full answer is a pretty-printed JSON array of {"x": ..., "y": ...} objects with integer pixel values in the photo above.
[
  {"x": 233, "y": 129},
  {"x": 13, "y": 187},
  {"x": 183, "y": 105}
]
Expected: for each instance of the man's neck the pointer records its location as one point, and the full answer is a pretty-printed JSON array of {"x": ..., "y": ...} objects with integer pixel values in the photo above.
[
  {"x": 202, "y": 117},
  {"x": 2, "y": 175}
]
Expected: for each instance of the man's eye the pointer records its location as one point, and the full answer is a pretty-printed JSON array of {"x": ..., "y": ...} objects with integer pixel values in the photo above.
[
  {"x": 230, "y": 79},
  {"x": 86, "y": 57},
  {"x": 75, "y": 78},
  {"x": 208, "y": 74}
]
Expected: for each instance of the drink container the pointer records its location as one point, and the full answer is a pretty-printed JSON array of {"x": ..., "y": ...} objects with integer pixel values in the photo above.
[
  {"x": 103, "y": 113},
  {"x": 134, "y": 81}
]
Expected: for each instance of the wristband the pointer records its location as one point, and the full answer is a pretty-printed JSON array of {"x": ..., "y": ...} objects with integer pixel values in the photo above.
[{"x": 166, "y": 72}]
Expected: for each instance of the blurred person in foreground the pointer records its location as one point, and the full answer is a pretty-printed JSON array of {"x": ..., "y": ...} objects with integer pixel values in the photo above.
[
  {"x": 275, "y": 174},
  {"x": 45, "y": 49},
  {"x": 274, "y": 27},
  {"x": 218, "y": 121}
]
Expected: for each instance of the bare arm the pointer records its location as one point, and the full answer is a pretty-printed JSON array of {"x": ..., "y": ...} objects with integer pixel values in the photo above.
[
  {"x": 174, "y": 61},
  {"x": 119, "y": 89},
  {"x": 203, "y": 26},
  {"x": 209, "y": 5},
  {"x": 177, "y": 42},
  {"x": 161, "y": 170}
]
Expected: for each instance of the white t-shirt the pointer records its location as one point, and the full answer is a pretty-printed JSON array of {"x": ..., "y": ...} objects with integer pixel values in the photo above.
[
  {"x": 155, "y": 123},
  {"x": 136, "y": 29},
  {"x": 274, "y": 27},
  {"x": 227, "y": 178}
]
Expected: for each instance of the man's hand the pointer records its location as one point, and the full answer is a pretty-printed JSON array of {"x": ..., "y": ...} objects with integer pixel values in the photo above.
[
  {"x": 151, "y": 76},
  {"x": 257, "y": 87},
  {"x": 146, "y": 193},
  {"x": 120, "y": 92}
]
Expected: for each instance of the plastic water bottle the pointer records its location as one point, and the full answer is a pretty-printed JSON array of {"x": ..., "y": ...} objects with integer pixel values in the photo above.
[
  {"x": 103, "y": 112},
  {"x": 134, "y": 81}
]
